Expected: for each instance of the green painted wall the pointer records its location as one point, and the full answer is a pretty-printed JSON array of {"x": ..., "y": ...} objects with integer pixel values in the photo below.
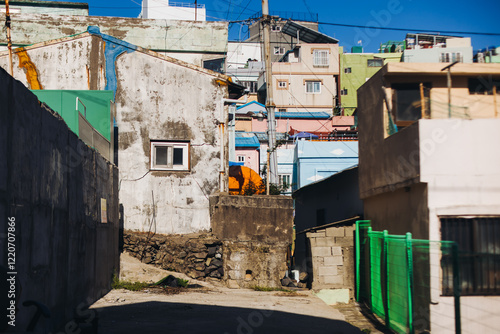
[
  {"x": 360, "y": 72},
  {"x": 97, "y": 103}
]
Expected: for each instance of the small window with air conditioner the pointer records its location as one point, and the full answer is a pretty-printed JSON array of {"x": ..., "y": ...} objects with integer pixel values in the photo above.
[{"x": 167, "y": 155}]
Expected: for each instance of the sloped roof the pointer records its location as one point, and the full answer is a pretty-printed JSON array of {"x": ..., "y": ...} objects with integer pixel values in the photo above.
[
  {"x": 246, "y": 139},
  {"x": 306, "y": 34}
]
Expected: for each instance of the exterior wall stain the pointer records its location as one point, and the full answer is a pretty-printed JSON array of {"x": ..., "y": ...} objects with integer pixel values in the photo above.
[
  {"x": 30, "y": 68},
  {"x": 113, "y": 48}
]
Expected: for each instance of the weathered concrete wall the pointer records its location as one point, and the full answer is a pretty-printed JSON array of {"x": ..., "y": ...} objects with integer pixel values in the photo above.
[
  {"x": 157, "y": 98},
  {"x": 332, "y": 258},
  {"x": 332, "y": 199},
  {"x": 52, "y": 184},
  {"x": 187, "y": 40},
  {"x": 256, "y": 232},
  {"x": 197, "y": 255}
]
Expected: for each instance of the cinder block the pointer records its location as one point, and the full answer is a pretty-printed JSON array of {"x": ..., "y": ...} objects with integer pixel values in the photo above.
[
  {"x": 334, "y": 260},
  {"x": 318, "y": 234},
  {"x": 320, "y": 242},
  {"x": 337, "y": 250},
  {"x": 328, "y": 271},
  {"x": 344, "y": 241},
  {"x": 333, "y": 279},
  {"x": 321, "y": 251},
  {"x": 335, "y": 232}
]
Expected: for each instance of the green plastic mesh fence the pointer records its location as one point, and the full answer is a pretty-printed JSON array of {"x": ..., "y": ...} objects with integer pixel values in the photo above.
[{"x": 397, "y": 277}]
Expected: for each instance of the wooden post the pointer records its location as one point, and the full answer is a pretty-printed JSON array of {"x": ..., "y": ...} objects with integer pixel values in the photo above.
[
  {"x": 422, "y": 101},
  {"x": 495, "y": 100}
]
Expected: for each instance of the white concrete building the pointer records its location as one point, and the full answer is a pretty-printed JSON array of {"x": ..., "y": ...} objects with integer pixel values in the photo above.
[
  {"x": 169, "y": 119},
  {"x": 438, "y": 176},
  {"x": 166, "y": 10}
]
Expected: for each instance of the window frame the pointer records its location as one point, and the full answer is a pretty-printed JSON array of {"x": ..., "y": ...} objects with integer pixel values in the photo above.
[
  {"x": 475, "y": 236},
  {"x": 375, "y": 62},
  {"x": 398, "y": 89},
  {"x": 184, "y": 145},
  {"x": 347, "y": 70},
  {"x": 282, "y": 84},
  {"x": 321, "y": 57},
  {"x": 307, "y": 82},
  {"x": 241, "y": 158},
  {"x": 280, "y": 49}
]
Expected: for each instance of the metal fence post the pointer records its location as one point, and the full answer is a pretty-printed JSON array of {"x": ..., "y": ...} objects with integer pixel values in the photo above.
[
  {"x": 456, "y": 287},
  {"x": 409, "y": 276},
  {"x": 386, "y": 277}
]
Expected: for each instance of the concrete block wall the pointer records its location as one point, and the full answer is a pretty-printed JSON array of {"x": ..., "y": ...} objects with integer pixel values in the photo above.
[
  {"x": 53, "y": 184},
  {"x": 332, "y": 258}
]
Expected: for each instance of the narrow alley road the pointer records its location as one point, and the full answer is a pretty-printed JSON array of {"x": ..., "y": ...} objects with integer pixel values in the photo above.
[{"x": 212, "y": 308}]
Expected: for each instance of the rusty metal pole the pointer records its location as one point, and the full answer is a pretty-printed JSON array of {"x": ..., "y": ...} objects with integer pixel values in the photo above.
[{"x": 9, "y": 40}]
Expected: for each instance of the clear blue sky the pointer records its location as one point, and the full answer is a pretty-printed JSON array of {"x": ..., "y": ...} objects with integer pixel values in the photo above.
[{"x": 438, "y": 15}]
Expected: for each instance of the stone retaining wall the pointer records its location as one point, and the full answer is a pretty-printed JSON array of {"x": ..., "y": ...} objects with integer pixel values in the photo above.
[{"x": 196, "y": 255}]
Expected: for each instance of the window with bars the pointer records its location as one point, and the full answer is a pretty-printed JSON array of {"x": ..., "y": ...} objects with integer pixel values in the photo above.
[
  {"x": 313, "y": 87},
  {"x": 321, "y": 58},
  {"x": 478, "y": 240},
  {"x": 169, "y": 155},
  {"x": 451, "y": 57},
  {"x": 375, "y": 62}
]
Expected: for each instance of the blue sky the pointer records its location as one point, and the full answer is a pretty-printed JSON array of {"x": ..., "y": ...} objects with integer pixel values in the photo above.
[{"x": 438, "y": 15}]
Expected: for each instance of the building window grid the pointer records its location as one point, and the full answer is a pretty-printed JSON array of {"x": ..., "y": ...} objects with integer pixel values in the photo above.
[
  {"x": 321, "y": 58},
  {"x": 478, "y": 240},
  {"x": 241, "y": 158},
  {"x": 172, "y": 156},
  {"x": 375, "y": 62},
  {"x": 278, "y": 50},
  {"x": 282, "y": 84},
  {"x": 313, "y": 87},
  {"x": 451, "y": 57}
]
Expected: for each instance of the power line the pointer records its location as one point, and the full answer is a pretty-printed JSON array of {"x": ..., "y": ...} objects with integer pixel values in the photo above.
[{"x": 411, "y": 29}]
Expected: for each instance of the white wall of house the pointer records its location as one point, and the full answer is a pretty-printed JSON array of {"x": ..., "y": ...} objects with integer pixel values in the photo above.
[
  {"x": 157, "y": 98},
  {"x": 461, "y": 167},
  {"x": 163, "y": 9}
]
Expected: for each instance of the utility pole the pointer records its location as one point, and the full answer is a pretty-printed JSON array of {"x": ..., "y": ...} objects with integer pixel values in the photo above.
[
  {"x": 9, "y": 40},
  {"x": 448, "y": 82},
  {"x": 271, "y": 125},
  {"x": 196, "y": 10}
]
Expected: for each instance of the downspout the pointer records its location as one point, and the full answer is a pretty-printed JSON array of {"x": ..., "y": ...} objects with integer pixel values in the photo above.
[{"x": 224, "y": 163}]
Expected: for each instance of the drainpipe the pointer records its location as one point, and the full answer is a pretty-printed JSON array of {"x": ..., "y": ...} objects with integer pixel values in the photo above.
[{"x": 224, "y": 165}]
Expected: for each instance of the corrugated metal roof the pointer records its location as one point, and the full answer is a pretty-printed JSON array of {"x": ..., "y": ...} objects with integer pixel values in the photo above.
[
  {"x": 262, "y": 136},
  {"x": 246, "y": 139},
  {"x": 306, "y": 34}
]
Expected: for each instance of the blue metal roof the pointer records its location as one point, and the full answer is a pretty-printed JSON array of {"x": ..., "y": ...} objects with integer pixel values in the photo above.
[
  {"x": 302, "y": 115},
  {"x": 246, "y": 139}
]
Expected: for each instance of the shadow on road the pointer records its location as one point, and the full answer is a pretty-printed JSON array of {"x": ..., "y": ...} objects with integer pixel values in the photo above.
[{"x": 165, "y": 317}]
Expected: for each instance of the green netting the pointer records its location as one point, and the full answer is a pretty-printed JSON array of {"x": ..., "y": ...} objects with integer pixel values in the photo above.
[
  {"x": 377, "y": 255},
  {"x": 397, "y": 277}
]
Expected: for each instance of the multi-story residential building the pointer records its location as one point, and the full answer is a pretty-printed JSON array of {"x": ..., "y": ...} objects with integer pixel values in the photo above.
[
  {"x": 355, "y": 69},
  {"x": 281, "y": 42},
  {"x": 425, "y": 48},
  {"x": 305, "y": 80},
  {"x": 244, "y": 65},
  {"x": 437, "y": 176}
]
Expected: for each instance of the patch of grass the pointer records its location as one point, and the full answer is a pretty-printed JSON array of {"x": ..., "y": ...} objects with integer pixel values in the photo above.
[
  {"x": 267, "y": 289},
  {"x": 132, "y": 286},
  {"x": 183, "y": 282}
]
